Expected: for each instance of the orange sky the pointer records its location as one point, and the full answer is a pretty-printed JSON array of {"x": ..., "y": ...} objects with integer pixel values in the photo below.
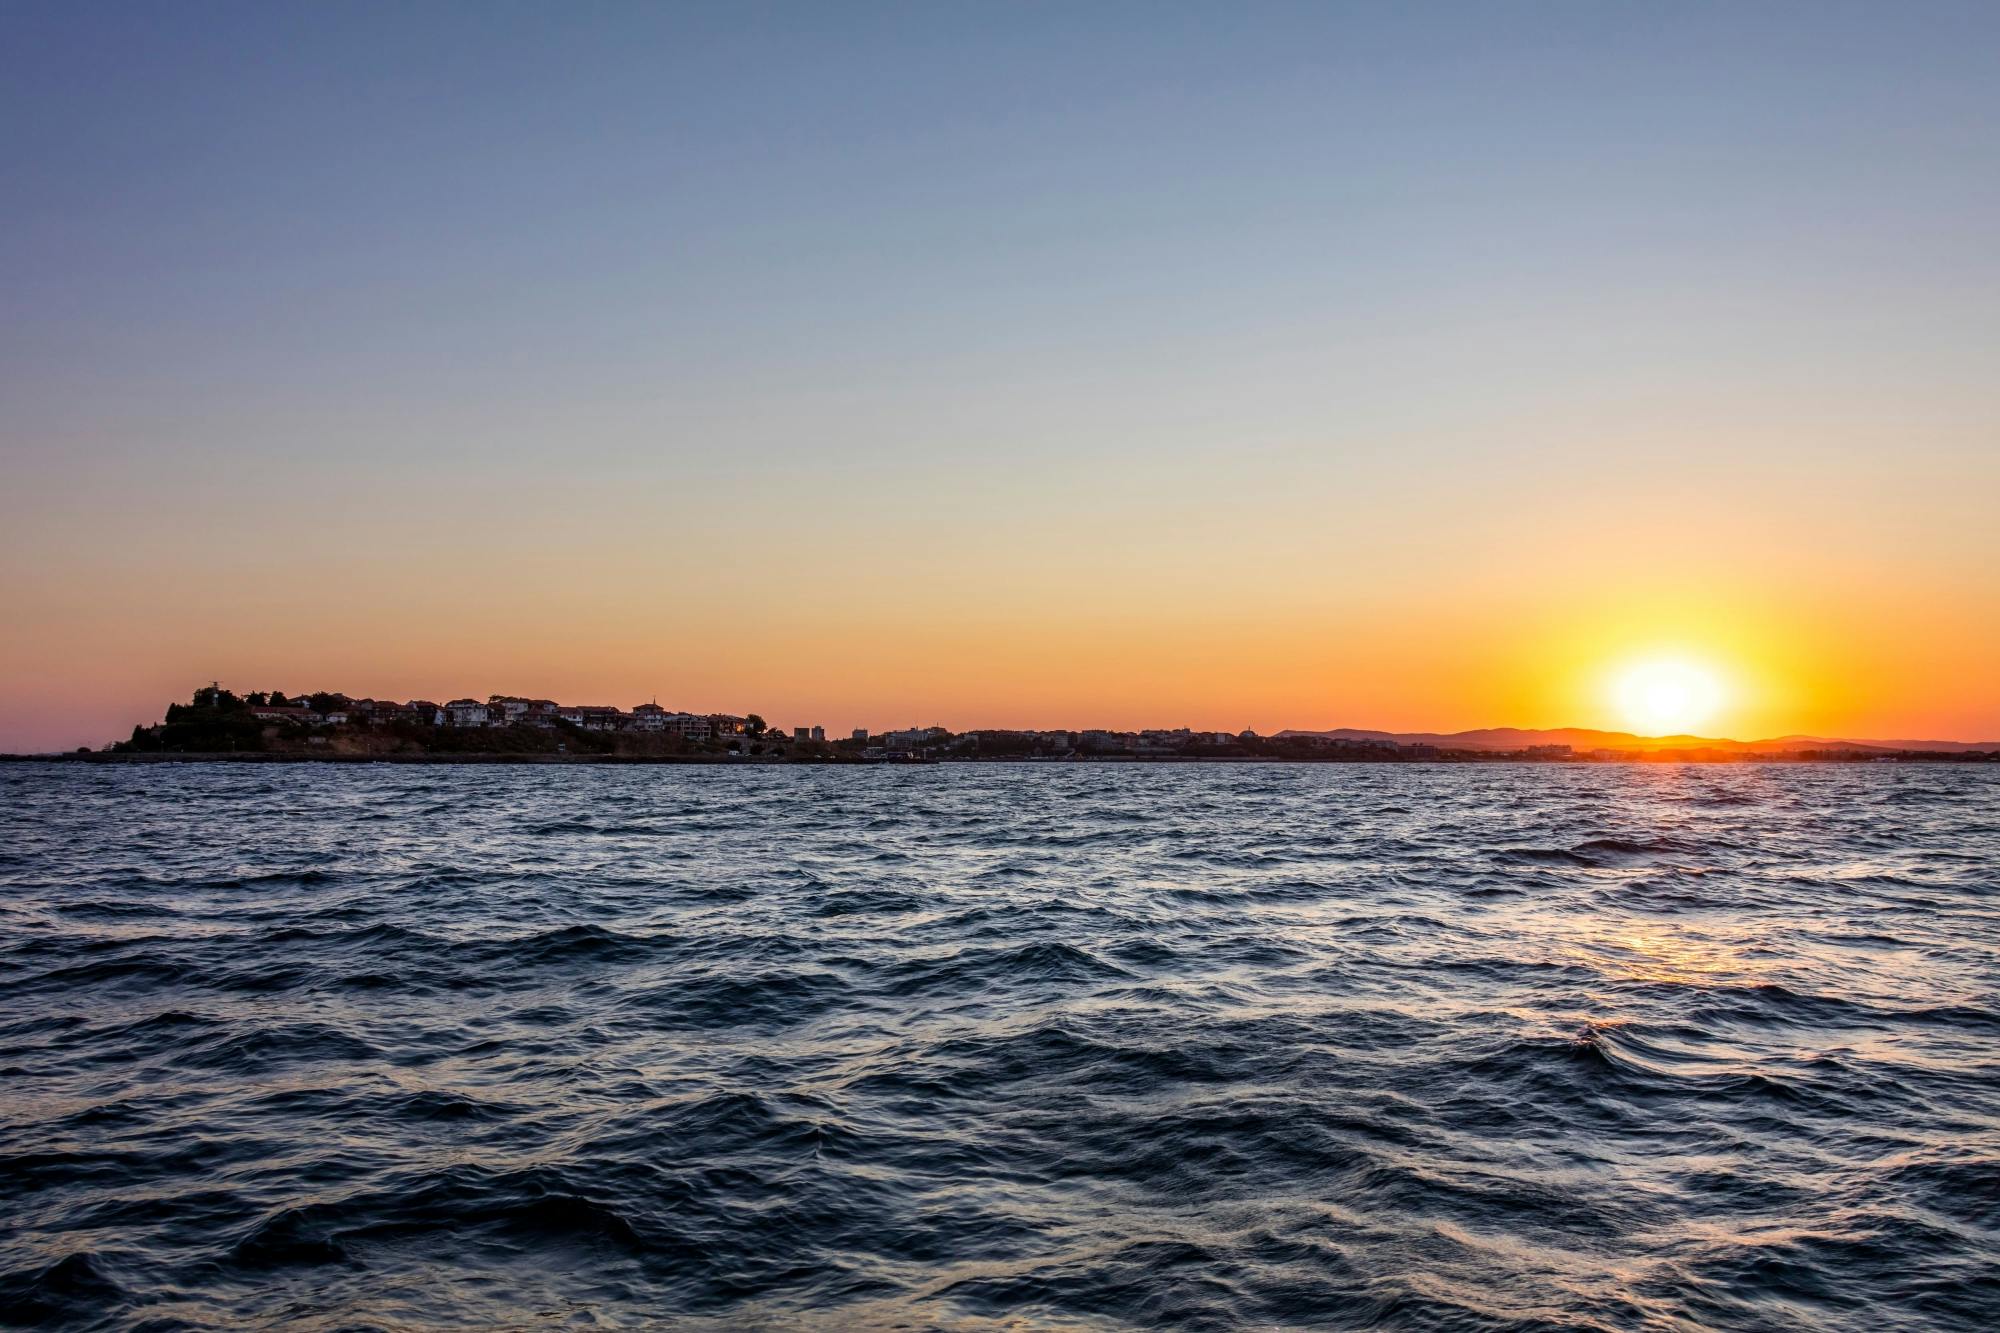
[
  {"x": 1385, "y": 367},
  {"x": 1282, "y": 611}
]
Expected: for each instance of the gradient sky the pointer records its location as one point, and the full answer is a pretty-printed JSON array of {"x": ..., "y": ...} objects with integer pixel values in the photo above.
[{"x": 1231, "y": 365}]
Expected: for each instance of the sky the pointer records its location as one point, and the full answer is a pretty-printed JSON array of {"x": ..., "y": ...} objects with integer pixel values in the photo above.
[{"x": 1265, "y": 365}]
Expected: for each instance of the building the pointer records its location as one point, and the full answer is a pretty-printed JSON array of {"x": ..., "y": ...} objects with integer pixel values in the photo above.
[
  {"x": 687, "y": 726},
  {"x": 599, "y": 717},
  {"x": 513, "y": 711},
  {"x": 861, "y": 734},
  {"x": 649, "y": 717},
  {"x": 384, "y": 712},
  {"x": 467, "y": 713}
]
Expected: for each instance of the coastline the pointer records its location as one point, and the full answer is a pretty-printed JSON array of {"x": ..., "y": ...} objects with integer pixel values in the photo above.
[
  {"x": 489, "y": 759},
  {"x": 219, "y": 726},
  {"x": 471, "y": 757}
]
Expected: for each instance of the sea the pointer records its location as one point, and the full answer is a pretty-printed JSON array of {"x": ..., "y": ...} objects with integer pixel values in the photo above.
[{"x": 971, "y": 1046}]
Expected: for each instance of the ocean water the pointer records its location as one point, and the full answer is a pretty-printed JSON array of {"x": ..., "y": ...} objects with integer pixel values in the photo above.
[{"x": 966, "y": 1046}]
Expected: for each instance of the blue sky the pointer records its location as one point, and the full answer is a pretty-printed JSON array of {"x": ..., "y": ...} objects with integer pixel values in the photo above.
[
  {"x": 963, "y": 260},
  {"x": 541, "y": 204}
]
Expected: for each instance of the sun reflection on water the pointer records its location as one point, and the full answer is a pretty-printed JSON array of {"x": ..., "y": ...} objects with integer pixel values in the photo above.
[{"x": 1660, "y": 952}]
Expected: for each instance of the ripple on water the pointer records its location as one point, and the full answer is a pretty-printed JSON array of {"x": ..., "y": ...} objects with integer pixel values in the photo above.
[{"x": 1203, "y": 1046}]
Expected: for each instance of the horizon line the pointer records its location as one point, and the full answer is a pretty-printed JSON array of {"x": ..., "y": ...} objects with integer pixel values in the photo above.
[{"x": 1403, "y": 736}]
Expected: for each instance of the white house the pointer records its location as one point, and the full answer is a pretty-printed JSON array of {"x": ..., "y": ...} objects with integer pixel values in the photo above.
[{"x": 467, "y": 713}]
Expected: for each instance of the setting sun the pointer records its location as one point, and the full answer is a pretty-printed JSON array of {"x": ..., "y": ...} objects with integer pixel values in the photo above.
[{"x": 1667, "y": 697}]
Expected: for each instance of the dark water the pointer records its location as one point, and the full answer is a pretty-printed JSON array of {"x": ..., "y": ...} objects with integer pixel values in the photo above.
[{"x": 1414, "y": 1046}]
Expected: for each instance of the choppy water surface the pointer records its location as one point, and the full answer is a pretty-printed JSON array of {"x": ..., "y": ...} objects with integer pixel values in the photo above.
[{"x": 1414, "y": 1046}]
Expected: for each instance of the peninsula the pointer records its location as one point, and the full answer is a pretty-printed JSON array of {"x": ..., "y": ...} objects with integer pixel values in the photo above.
[{"x": 217, "y": 723}]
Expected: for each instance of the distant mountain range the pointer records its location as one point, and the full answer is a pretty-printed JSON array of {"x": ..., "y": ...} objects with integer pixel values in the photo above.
[{"x": 1584, "y": 739}]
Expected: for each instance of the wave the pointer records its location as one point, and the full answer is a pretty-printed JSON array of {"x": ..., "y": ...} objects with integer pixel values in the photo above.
[{"x": 982, "y": 1046}]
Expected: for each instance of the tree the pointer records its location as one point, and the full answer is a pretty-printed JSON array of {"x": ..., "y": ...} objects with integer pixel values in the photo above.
[
  {"x": 256, "y": 699},
  {"x": 755, "y": 725}
]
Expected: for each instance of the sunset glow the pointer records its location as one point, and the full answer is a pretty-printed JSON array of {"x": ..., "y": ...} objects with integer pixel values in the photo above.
[
  {"x": 855, "y": 665},
  {"x": 1668, "y": 697},
  {"x": 812, "y": 373}
]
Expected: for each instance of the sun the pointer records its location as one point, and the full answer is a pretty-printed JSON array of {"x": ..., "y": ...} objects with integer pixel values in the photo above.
[{"x": 1666, "y": 696}]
